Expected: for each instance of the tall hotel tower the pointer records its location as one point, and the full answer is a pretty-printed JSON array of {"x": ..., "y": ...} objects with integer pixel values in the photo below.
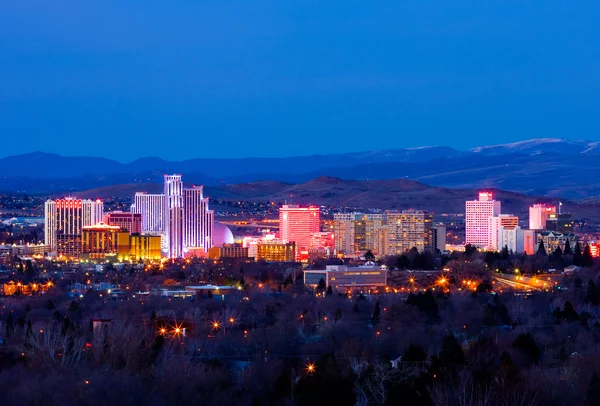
[
  {"x": 152, "y": 209},
  {"x": 477, "y": 219},
  {"x": 198, "y": 220},
  {"x": 296, "y": 224},
  {"x": 174, "y": 215},
  {"x": 68, "y": 216}
]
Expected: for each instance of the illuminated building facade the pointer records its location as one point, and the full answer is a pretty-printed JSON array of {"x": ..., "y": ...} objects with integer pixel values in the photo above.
[
  {"x": 68, "y": 216},
  {"x": 439, "y": 237},
  {"x": 406, "y": 230},
  {"x": 554, "y": 239},
  {"x": 496, "y": 224},
  {"x": 539, "y": 215},
  {"x": 296, "y": 224},
  {"x": 132, "y": 222},
  {"x": 228, "y": 251},
  {"x": 174, "y": 216},
  {"x": 68, "y": 246},
  {"x": 276, "y": 251},
  {"x": 198, "y": 220},
  {"x": 344, "y": 277},
  {"x": 478, "y": 213},
  {"x": 145, "y": 247},
  {"x": 151, "y": 208},
  {"x": 100, "y": 241},
  {"x": 356, "y": 233}
]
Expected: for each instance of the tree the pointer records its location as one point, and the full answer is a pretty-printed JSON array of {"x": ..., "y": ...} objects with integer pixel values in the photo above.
[
  {"x": 29, "y": 337},
  {"x": 587, "y": 260},
  {"x": 504, "y": 254},
  {"x": 9, "y": 325},
  {"x": 541, "y": 249},
  {"x": 593, "y": 391},
  {"x": 557, "y": 255},
  {"x": 321, "y": 286},
  {"x": 369, "y": 256},
  {"x": 568, "y": 250},
  {"x": 414, "y": 353},
  {"x": 527, "y": 345},
  {"x": 451, "y": 353},
  {"x": 376, "y": 312},
  {"x": 577, "y": 256},
  {"x": 329, "y": 290},
  {"x": 591, "y": 296}
]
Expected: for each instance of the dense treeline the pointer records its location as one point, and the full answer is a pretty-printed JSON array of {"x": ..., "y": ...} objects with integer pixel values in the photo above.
[{"x": 466, "y": 348}]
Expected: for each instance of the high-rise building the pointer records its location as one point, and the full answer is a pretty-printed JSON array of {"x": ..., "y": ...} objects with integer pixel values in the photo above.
[
  {"x": 67, "y": 216},
  {"x": 439, "y": 237},
  {"x": 296, "y": 224},
  {"x": 132, "y": 222},
  {"x": 408, "y": 229},
  {"x": 495, "y": 224},
  {"x": 539, "y": 215},
  {"x": 151, "y": 207},
  {"x": 478, "y": 213},
  {"x": 174, "y": 216},
  {"x": 198, "y": 220},
  {"x": 356, "y": 233}
]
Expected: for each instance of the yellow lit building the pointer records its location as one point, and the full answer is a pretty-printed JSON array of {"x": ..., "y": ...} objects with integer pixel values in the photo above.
[
  {"x": 100, "y": 240},
  {"x": 276, "y": 251},
  {"x": 140, "y": 247}
]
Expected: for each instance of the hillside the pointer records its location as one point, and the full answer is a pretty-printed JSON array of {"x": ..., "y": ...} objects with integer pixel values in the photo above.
[
  {"x": 396, "y": 194},
  {"x": 538, "y": 167}
]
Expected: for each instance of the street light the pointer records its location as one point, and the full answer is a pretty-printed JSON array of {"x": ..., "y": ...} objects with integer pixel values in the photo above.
[{"x": 310, "y": 368}]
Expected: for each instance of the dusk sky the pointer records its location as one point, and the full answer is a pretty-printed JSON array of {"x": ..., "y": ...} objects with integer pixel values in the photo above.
[{"x": 182, "y": 79}]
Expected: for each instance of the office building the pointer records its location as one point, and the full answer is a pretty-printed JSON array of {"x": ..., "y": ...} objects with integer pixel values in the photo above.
[
  {"x": 228, "y": 251},
  {"x": 495, "y": 224},
  {"x": 554, "y": 239},
  {"x": 439, "y": 237},
  {"x": 526, "y": 241},
  {"x": 276, "y": 251},
  {"x": 68, "y": 246},
  {"x": 478, "y": 213},
  {"x": 344, "y": 277},
  {"x": 539, "y": 214},
  {"x": 100, "y": 241},
  {"x": 198, "y": 220},
  {"x": 296, "y": 224},
  {"x": 145, "y": 247},
  {"x": 174, "y": 216},
  {"x": 68, "y": 216},
  {"x": 131, "y": 222},
  {"x": 406, "y": 230},
  {"x": 151, "y": 208},
  {"x": 356, "y": 233}
]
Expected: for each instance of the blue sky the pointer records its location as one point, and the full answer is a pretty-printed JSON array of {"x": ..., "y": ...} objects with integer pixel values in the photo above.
[{"x": 218, "y": 78}]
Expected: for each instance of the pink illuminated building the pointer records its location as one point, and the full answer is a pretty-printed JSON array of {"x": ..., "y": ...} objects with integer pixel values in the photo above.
[
  {"x": 296, "y": 224},
  {"x": 539, "y": 214},
  {"x": 477, "y": 219},
  {"x": 131, "y": 222}
]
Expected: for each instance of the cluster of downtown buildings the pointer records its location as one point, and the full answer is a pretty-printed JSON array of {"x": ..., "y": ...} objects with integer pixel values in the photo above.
[
  {"x": 178, "y": 223},
  {"x": 170, "y": 224},
  {"x": 486, "y": 227}
]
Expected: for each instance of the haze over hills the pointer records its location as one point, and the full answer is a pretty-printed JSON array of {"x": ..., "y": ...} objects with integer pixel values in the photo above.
[
  {"x": 540, "y": 167},
  {"x": 395, "y": 194}
]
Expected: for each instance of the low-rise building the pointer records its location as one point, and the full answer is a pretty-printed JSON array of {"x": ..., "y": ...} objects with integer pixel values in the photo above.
[{"x": 342, "y": 276}]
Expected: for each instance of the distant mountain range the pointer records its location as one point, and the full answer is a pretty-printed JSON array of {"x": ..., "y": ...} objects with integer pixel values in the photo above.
[
  {"x": 540, "y": 167},
  {"x": 396, "y": 194}
]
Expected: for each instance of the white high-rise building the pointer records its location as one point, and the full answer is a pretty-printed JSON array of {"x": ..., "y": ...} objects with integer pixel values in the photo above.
[
  {"x": 174, "y": 215},
  {"x": 198, "y": 220},
  {"x": 152, "y": 209},
  {"x": 68, "y": 216},
  {"x": 539, "y": 214},
  {"x": 501, "y": 221},
  {"x": 478, "y": 213}
]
